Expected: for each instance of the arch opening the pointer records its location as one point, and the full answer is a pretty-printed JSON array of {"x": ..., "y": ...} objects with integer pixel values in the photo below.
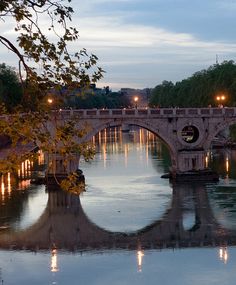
[
  {"x": 140, "y": 124},
  {"x": 127, "y": 167},
  {"x": 190, "y": 134}
]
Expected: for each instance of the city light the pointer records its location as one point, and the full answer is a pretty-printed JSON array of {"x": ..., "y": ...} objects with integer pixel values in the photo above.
[
  {"x": 136, "y": 101},
  {"x": 50, "y": 100},
  {"x": 206, "y": 161},
  {"x": 227, "y": 164},
  {"x": 220, "y": 100}
]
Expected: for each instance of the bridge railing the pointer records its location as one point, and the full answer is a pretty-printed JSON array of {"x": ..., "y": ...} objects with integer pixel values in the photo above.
[{"x": 150, "y": 112}]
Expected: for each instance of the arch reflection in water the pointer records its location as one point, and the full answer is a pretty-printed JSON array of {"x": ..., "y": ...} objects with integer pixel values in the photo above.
[
  {"x": 126, "y": 180},
  {"x": 80, "y": 233}
]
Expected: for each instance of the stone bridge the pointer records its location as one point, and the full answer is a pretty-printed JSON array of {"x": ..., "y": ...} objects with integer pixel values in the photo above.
[
  {"x": 187, "y": 132},
  {"x": 64, "y": 225}
]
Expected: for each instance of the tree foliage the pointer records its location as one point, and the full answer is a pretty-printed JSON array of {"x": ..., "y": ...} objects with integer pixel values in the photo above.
[
  {"x": 100, "y": 100},
  {"x": 46, "y": 65},
  {"x": 199, "y": 90},
  {"x": 10, "y": 87},
  {"x": 47, "y": 47}
]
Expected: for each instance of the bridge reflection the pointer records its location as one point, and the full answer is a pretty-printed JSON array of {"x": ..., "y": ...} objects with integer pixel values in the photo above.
[{"x": 64, "y": 225}]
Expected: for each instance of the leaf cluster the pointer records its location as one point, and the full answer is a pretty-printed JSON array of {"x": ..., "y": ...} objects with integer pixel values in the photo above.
[{"x": 47, "y": 48}]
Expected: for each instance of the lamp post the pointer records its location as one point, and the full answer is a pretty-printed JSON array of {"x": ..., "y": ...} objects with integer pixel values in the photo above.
[
  {"x": 136, "y": 102},
  {"x": 220, "y": 100}
]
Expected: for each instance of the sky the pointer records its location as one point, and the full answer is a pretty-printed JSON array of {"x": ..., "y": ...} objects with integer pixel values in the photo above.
[{"x": 141, "y": 43}]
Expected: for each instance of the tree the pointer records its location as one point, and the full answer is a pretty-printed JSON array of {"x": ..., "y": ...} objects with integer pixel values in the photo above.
[
  {"x": 59, "y": 68},
  {"x": 10, "y": 88},
  {"x": 200, "y": 89}
]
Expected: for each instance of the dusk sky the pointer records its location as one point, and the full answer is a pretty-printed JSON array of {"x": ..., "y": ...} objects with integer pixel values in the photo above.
[{"x": 141, "y": 43}]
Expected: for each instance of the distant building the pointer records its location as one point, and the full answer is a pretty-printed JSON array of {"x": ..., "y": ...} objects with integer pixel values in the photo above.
[{"x": 143, "y": 96}]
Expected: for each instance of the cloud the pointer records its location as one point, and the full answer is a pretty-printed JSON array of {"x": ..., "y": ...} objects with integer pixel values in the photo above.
[
  {"x": 111, "y": 32},
  {"x": 111, "y": 35},
  {"x": 133, "y": 54},
  {"x": 227, "y": 5},
  {"x": 141, "y": 55}
]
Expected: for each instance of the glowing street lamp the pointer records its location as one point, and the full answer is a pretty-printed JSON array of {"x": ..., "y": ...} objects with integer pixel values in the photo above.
[
  {"x": 220, "y": 99},
  {"x": 136, "y": 101},
  {"x": 50, "y": 101}
]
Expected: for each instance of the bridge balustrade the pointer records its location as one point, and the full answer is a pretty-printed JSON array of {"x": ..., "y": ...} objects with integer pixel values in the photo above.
[
  {"x": 193, "y": 112},
  {"x": 205, "y": 111},
  {"x": 143, "y": 112},
  {"x": 117, "y": 112},
  {"x": 230, "y": 111},
  {"x": 217, "y": 111},
  {"x": 180, "y": 112},
  {"x": 155, "y": 111},
  {"x": 104, "y": 112},
  {"x": 165, "y": 112}
]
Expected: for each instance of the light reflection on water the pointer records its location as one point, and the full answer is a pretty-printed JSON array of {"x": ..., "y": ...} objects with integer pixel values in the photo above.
[
  {"x": 124, "y": 193},
  {"x": 21, "y": 203},
  {"x": 124, "y": 188},
  {"x": 181, "y": 267}
]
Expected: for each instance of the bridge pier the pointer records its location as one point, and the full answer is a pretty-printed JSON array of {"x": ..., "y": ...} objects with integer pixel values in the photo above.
[
  {"x": 188, "y": 160},
  {"x": 60, "y": 166},
  {"x": 191, "y": 165}
]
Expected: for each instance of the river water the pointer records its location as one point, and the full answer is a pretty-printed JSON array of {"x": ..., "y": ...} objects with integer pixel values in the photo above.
[{"x": 130, "y": 226}]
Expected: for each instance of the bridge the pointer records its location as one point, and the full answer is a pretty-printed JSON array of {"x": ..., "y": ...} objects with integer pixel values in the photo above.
[
  {"x": 187, "y": 132},
  {"x": 83, "y": 234}
]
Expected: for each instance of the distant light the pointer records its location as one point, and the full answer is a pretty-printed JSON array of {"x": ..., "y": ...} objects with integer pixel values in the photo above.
[
  {"x": 227, "y": 164},
  {"x": 220, "y": 97},
  {"x": 136, "y": 99},
  {"x": 207, "y": 160},
  {"x": 223, "y": 254},
  {"x": 50, "y": 100},
  {"x": 140, "y": 255}
]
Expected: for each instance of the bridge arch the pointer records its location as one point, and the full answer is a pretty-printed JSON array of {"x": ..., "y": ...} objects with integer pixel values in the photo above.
[
  {"x": 96, "y": 128},
  {"x": 221, "y": 126},
  {"x": 187, "y": 132}
]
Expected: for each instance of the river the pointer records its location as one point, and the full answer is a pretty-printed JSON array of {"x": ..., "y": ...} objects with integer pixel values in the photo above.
[{"x": 130, "y": 226}]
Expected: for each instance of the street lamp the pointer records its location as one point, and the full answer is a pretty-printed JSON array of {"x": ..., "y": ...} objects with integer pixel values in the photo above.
[
  {"x": 136, "y": 101},
  {"x": 50, "y": 101},
  {"x": 220, "y": 100}
]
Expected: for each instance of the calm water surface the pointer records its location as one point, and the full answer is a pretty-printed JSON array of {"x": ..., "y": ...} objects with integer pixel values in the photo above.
[{"x": 129, "y": 227}]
